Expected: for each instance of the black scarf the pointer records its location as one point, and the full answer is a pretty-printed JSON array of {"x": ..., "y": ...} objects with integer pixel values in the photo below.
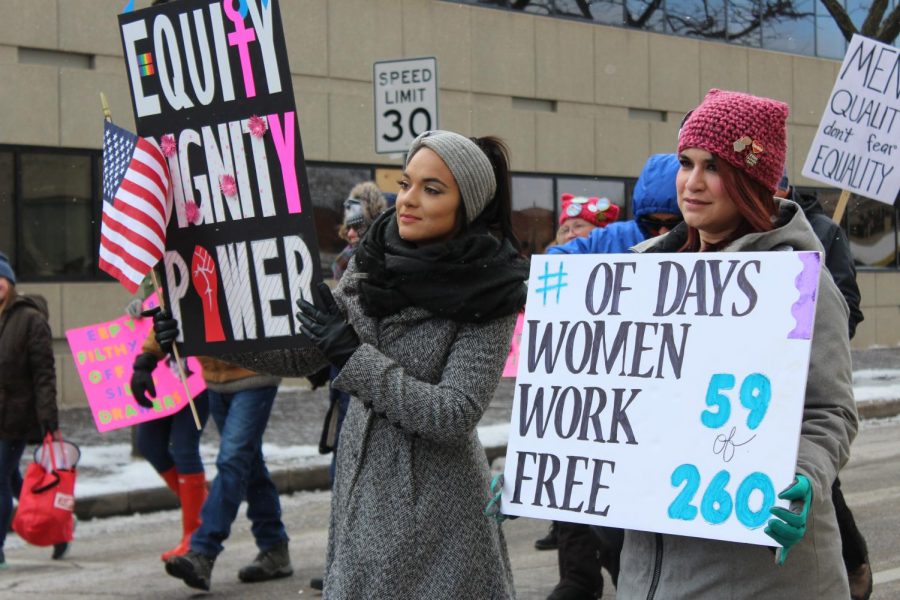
[{"x": 473, "y": 278}]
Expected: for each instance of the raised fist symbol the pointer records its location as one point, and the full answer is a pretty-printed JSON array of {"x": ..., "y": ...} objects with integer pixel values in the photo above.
[{"x": 206, "y": 282}]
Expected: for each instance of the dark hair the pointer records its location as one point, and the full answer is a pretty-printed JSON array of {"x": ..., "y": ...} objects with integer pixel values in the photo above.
[
  {"x": 752, "y": 199},
  {"x": 497, "y": 215}
]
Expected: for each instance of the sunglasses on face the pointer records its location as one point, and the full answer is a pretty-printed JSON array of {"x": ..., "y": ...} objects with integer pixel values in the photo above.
[{"x": 657, "y": 224}]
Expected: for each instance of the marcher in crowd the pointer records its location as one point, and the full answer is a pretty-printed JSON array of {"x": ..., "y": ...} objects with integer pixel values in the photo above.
[
  {"x": 240, "y": 402},
  {"x": 171, "y": 444},
  {"x": 583, "y": 549},
  {"x": 419, "y": 327},
  {"x": 361, "y": 208},
  {"x": 655, "y": 212},
  {"x": 27, "y": 389},
  {"x": 580, "y": 215},
  {"x": 732, "y": 150},
  {"x": 839, "y": 261}
]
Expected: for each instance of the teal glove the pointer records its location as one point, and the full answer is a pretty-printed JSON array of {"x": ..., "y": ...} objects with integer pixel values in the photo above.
[{"x": 790, "y": 525}]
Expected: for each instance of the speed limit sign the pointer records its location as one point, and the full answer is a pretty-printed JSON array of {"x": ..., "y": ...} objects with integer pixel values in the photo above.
[{"x": 405, "y": 102}]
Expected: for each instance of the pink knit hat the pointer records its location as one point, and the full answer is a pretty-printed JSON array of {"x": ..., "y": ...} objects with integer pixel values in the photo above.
[{"x": 747, "y": 131}]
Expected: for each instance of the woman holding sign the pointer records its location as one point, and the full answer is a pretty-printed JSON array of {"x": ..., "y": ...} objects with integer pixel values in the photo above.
[
  {"x": 732, "y": 150},
  {"x": 419, "y": 327}
]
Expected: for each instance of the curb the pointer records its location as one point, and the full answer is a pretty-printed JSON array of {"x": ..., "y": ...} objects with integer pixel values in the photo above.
[
  {"x": 301, "y": 479},
  {"x": 287, "y": 481}
]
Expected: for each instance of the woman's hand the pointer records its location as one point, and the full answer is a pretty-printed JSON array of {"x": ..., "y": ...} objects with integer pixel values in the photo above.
[
  {"x": 790, "y": 525},
  {"x": 165, "y": 328},
  {"x": 327, "y": 328}
]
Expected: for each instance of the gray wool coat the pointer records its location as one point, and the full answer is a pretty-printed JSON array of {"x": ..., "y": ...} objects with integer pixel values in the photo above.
[
  {"x": 814, "y": 570},
  {"x": 412, "y": 477}
]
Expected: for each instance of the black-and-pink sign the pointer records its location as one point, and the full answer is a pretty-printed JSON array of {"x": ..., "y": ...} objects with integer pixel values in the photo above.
[{"x": 210, "y": 83}]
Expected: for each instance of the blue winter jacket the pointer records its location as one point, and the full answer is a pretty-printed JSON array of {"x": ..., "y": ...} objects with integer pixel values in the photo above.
[{"x": 654, "y": 192}]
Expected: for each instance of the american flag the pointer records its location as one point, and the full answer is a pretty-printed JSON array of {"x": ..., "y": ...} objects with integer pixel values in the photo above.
[{"x": 136, "y": 206}]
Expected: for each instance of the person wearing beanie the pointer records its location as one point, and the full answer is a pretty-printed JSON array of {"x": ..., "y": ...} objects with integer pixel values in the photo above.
[
  {"x": 732, "y": 151},
  {"x": 655, "y": 209},
  {"x": 28, "y": 408},
  {"x": 579, "y": 216},
  {"x": 419, "y": 327},
  {"x": 361, "y": 207}
]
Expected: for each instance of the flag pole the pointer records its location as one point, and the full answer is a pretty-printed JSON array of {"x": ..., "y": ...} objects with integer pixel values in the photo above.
[
  {"x": 176, "y": 353},
  {"x": 107, "y": 114}
]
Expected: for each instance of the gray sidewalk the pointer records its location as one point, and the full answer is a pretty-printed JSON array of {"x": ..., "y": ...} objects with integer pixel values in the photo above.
[{"x": 297, "y": 417}]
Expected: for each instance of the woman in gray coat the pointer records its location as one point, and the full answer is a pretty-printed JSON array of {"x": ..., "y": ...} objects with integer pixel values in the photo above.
[
  {"x": 419, "y": 327},
  {"x": 732, "y": 150}
]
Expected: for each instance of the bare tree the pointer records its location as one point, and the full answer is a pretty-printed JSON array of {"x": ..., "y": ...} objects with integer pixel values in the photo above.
[
  {"x": 710, "y": 22},
  {"x": 876, "y": 25}
]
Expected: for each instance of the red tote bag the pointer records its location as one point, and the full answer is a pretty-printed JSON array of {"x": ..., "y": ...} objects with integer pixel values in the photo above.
[{"x": 45, "y": 515}]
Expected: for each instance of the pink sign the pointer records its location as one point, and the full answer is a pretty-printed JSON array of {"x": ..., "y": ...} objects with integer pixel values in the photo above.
[
  {"x": 512, "y": 361},
  {"x": 104, "y": 354}
]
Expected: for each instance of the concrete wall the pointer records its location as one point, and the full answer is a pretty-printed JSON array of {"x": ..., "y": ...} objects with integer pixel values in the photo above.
[
  {"x": 609, "y": 97},
  {"x": 614, "y": 95}
]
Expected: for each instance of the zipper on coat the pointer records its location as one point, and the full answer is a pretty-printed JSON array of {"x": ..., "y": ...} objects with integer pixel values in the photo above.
[{"x": 657, "y": 567}]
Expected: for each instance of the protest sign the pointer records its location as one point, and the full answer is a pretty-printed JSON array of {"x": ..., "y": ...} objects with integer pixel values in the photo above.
[
  {"x": 511, "y": 368},
  {"x": 104, "y": 354},
  {"x": 661, "y": 392},
  {"x": 211, "y": 84},
  {"x": 857, "y": 145}
]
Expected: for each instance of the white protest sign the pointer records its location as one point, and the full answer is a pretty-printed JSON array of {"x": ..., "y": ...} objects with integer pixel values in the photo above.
[
  {"x": 661, "y": 392},
  {"x": 405, "y": 102},
  {"x": 857, "y": 145}
]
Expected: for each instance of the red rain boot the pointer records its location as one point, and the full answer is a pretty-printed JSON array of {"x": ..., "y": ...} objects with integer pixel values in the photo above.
[{"x": 192, "y": 492}]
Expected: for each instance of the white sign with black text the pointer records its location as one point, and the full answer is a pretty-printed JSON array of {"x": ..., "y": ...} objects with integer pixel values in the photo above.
[
  {"x": 406, "y": 104},
  {"x": 857, "y": 145},
  {"x": 661, "y": 392}
]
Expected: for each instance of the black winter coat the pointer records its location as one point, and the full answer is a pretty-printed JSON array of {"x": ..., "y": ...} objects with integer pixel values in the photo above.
[
  {"x": 838, "y": 258},
  {"x": 27, "y": 373}
]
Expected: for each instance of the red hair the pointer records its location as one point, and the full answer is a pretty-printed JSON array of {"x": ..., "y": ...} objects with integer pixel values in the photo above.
[{"x": 753, "y": 200}]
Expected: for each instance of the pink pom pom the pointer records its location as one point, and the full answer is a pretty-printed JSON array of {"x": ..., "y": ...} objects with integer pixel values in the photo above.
[
  {"x": 257, "y": 126},
  {"x": 228, "y": 185},
  {"x": 192, "y": 212},
  {"x": 167, "y": 144}
]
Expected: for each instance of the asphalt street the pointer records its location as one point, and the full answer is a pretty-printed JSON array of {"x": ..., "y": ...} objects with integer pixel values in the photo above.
[{"x": 118, "y": 557}]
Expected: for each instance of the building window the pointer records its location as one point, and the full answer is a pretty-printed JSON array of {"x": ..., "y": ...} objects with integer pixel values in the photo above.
[
  {"x": 797, "y": 26},
  {"x": 7, "y": 206},
  {"x": 534, "y": 212},
  {"x": 55, "y": 233},
  {"x": 872, "y": 230}
]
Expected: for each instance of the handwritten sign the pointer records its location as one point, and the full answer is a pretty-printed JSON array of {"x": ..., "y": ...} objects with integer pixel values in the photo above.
[
  {"x": 661, "y": 392},
  {"x": 210, "y": 82},
  {"x": 857, "y": 145},
  {"x": 104, "y": 354}
]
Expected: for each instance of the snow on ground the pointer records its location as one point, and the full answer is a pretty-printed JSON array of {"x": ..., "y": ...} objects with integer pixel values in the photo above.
[
  {"x": 876, "y": 384},
  {"x": 111, "y": 469}
]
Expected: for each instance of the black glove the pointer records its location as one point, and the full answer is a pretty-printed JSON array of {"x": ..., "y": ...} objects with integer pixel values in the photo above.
[
  {"x": 165, "y": 328},
  {"x": 327, "y": 328},
  {"x": 49, "y": 426},
  {"x": 142, "y": 379},
  {"x": 319, "y": 378}
]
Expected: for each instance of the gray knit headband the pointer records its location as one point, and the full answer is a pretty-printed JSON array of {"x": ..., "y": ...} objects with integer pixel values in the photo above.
[{"x": 470, "y": 166}]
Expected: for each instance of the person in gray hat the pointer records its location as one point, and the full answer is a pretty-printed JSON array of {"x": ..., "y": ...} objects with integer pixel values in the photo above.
[{"x": 419, "y": 327}]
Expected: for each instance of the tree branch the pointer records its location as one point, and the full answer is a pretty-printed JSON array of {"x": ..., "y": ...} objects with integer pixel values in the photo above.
[
  {"x": 585, "y": 8},
  {"x": 841, "y": 18},
  {"x": 873, "y": 19},
  {"x": 890, "y": 29}
]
